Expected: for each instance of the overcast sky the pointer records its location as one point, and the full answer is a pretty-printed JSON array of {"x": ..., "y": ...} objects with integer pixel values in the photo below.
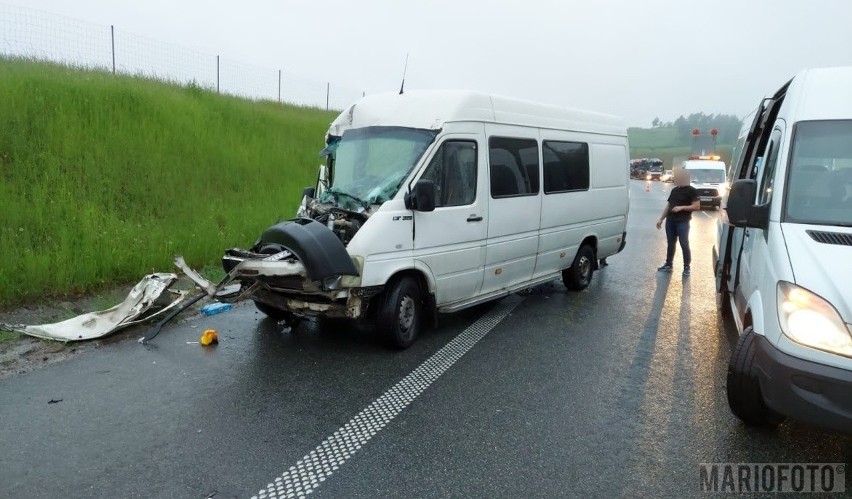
[{"x": 638, "y": 59}]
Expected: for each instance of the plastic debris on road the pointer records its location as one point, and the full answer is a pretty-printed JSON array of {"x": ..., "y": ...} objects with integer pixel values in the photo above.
[{"x": 216, "y": 308}]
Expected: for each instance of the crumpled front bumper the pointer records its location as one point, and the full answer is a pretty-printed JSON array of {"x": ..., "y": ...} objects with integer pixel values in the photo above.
[{"x": 281, "y": 281}]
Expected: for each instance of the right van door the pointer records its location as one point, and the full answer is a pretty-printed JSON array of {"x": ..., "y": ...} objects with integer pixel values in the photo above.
[{"x": 754, "y": 262}]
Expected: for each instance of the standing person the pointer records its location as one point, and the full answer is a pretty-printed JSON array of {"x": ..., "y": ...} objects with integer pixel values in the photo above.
[{"x": 683, "y": 200}]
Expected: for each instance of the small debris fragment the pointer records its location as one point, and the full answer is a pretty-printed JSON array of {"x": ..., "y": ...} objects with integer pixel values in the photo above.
[
  {"x": 54, "y": 401},
  {"x": 209, "y": 338}
]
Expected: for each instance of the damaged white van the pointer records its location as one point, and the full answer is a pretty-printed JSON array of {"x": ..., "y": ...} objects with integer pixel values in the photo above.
[
  {"x": 784, "y": 263},
  {"x": 435, "y": 201}
]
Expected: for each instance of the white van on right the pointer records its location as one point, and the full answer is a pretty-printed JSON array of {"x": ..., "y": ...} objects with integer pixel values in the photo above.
[{"x": 783, "y": 261}]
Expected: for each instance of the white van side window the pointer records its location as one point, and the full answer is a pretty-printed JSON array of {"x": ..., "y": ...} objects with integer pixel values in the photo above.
[
  {"x": 513, "y": 166},
  {"x": 566, "y": 166},
  {"x": 767, "y": 178},
  {"x": 453, "y": 170}
]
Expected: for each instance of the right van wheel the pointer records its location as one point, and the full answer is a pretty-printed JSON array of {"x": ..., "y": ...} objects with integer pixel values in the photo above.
[
  {"x": 579, "y": 274},
  {"x": 400, "y": 314},
  {"x": 744, "y": 396}
]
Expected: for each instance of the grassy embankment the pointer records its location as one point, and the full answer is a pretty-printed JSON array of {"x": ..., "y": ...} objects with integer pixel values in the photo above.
[
  {"x": 104, "y": 178},
  {"x": 665, "y": 144}
]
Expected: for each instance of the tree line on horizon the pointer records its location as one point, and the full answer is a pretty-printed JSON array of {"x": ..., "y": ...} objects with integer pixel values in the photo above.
[{"x": 728, "y": 126}]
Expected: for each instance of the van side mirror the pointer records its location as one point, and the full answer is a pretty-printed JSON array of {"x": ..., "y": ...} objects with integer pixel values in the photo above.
[
  {"x": 309, "y": 192},
  {"x": 742, "y": 212},
  {"x": 422, "y": 196}
]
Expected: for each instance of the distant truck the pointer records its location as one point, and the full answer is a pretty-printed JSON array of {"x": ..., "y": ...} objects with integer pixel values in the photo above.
[{"x": 646, "y": 169}]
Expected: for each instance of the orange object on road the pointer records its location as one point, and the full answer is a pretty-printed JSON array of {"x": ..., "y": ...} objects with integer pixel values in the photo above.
[
  {"x": 647, "y": 186},
  {"x": 209, "y": 338}
]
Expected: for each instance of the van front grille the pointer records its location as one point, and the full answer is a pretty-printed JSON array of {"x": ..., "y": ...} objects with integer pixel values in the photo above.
[
  {"x": 708, "y": 192},
  {"x": 838, "y": 238}
]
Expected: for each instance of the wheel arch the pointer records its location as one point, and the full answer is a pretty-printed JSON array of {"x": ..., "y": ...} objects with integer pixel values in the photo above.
[{"x": 754, "y": 314}]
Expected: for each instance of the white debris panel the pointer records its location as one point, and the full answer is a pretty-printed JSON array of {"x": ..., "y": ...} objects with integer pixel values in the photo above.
[{"x": 148, "y": 299}]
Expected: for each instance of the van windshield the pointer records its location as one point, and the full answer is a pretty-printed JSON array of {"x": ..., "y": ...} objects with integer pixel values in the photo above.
[
  {"x": 819, "y": 185},
  {"x": 707, "y": 175},
  {"x": 368, "y": 165}
]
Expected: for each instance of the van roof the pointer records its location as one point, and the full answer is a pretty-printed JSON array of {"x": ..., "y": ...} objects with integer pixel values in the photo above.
[
  {"x": 431, "y": 109},
  {"x": 695, "y": 164},
  {"x": 820, "y": 94}
]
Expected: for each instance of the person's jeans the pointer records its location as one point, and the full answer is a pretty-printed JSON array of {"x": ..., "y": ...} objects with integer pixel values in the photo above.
[{"x": 675, "y": 231}]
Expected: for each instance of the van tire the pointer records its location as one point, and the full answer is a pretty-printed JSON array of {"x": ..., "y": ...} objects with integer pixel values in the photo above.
[
  {"x": 400, "y": 315},
  {"x": 744, "y": 396},
  {"x": 579, "y": 274},
  {"x": 277, "y": 314}
]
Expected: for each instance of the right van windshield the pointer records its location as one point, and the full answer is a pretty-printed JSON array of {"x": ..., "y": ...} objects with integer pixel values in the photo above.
[
  {"x": 707, "y": 175},
  {"x": 819, "y": 181}
]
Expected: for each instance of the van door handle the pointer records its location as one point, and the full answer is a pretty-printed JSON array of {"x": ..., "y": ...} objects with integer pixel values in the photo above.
[{"x": 474, "y": 218}]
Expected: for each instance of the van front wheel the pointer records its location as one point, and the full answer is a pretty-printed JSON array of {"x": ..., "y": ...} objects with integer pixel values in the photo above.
[
  {"x": 744, "y": 396},
  {"x": 579, "y": 274},
  {"x": 400, "y": 315}
]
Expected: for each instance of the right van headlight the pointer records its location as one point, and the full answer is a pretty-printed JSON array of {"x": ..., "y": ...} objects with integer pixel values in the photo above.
[{"x": 808, "y": 319}]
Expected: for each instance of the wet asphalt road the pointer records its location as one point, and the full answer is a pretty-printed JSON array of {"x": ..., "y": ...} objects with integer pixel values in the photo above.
[{"x": 617, "y": 391}]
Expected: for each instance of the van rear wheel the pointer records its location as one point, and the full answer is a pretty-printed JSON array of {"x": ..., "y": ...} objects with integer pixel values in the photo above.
[
  {"x": 400, "y": 315},
  {"x": 744, "y": 396},
  {"x": 579, "y": 274}
]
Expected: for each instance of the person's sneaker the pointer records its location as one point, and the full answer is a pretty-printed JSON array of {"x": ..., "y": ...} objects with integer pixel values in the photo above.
[
  {"x": 665, "y": 268},
  {"x": 686, "y": 272}
]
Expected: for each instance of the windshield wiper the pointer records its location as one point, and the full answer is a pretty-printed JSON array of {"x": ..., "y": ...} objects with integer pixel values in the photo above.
[{"x": 336, "y": 195}]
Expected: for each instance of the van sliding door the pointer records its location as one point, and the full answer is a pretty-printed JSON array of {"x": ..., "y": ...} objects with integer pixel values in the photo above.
[{"x": 514, "y": 208}]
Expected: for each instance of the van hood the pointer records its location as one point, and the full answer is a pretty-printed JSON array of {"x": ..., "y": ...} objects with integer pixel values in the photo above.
[{"x": 822, "y": 268}]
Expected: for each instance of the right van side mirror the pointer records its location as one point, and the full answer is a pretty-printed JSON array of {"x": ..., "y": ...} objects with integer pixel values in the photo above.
[
  {"x": 422, "y": 196},
  {"x": 742, "y": 212},
  {"x": 309, "y": 192}
]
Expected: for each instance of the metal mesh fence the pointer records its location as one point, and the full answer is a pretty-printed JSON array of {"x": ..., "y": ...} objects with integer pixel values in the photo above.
[{"x": 33, "y": 34}]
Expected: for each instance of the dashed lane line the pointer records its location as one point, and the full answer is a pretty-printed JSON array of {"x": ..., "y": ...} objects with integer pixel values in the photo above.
[{"x": 312, "y": 470}]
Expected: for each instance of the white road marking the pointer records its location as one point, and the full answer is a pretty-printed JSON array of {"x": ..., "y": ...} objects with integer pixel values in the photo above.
[{"x": 309, "y": 472}]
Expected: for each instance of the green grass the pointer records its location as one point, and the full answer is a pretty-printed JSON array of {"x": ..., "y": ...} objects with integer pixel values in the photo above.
[
  {"x": 667, "y": 154},
  {"x": 665, "y": 144},
  {"x": 647, "y": 138},
  {"x": 6, "y": 336},
  {"x": 104, "y": 178}
]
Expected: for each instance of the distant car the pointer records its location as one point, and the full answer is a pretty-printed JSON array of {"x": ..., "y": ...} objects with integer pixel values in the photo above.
[
  {"x": 654, "y": 173},
  {"x": 667, "y": 176}
]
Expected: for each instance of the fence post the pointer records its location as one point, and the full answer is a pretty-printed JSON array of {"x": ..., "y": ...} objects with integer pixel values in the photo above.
[
  {"x": 112, "y": 42},
  {"x": 327, "y": 93},
  {"x": 217, "y": 74},
  {"x": 279, "y": 86}
]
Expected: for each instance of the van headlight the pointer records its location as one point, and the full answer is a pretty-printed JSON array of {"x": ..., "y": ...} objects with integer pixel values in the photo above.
[
  {"x": 810, "y": 320},
  {"x": 332, "y": 283}
]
